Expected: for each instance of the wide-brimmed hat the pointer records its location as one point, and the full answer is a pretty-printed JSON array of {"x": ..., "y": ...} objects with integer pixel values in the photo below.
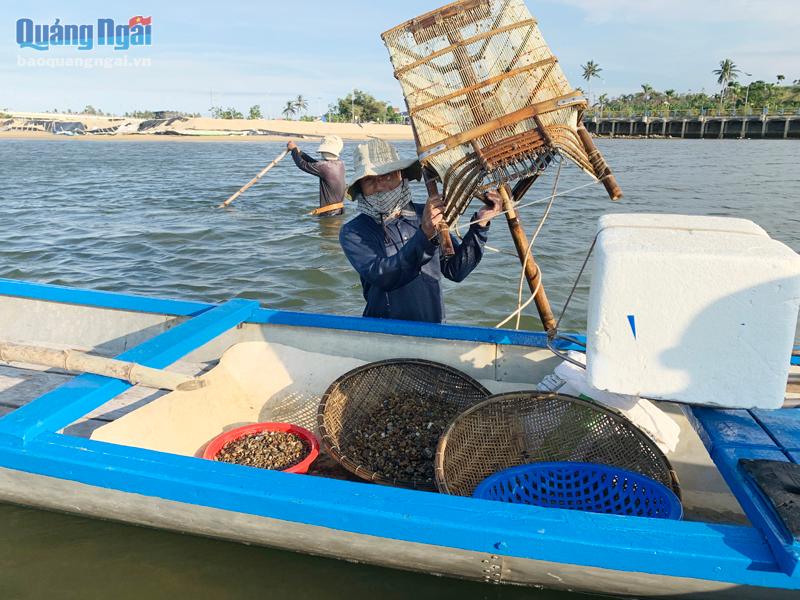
[
  {"x": 332, "y": 144},
  {"x": 379, "y": 157}
]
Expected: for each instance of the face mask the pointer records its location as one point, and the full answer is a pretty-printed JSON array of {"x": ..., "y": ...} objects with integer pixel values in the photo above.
[{"x": 385, "y": 205}]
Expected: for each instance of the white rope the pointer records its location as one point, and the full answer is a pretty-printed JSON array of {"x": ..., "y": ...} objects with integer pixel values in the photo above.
[
  {"x": 549, "y": 199},
  {"x": 520, "y": 305},
  {"x": 519, "y": 309},
  {"x": 500, "y": 251},
  {"x": 457, "y": 228},
  {"x": 539, "y": 201}
]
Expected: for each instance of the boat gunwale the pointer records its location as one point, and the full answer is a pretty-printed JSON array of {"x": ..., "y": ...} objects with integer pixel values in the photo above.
[
  {"x": 268, "y": 316},
  {"x": 714, "y": 552}
]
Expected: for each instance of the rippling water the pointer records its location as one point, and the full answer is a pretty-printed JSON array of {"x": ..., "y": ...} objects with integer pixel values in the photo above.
[{"x": 140, "y": 217}]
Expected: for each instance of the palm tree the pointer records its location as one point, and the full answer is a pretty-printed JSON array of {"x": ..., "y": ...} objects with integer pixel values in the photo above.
[
  {"x": 289, "y": 110},
  {"x": 591, "y": 70},
  {"x": 734, "y": 87},
  {"x": 647, "y": 94},
  {"x": 300, "y": 104},
  {"x": 780, "y": 78},
  {"x": 669, "y": 96},
  {"x": 602, "y": 100},
  {"x": 726, "y": 73}
]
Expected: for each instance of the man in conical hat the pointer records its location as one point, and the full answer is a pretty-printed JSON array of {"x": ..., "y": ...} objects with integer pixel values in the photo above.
[
  {"x": 393, "y": 243},
  {"x": 330, "y": 171}
]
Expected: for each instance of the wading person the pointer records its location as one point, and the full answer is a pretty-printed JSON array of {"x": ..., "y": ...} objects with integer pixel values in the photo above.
[
  {"x": 330, "y": 170},
  {"x": 393, "y": 243}
]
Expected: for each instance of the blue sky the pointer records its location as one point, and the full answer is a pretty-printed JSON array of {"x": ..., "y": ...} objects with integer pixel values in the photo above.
[{"x": 267, "y": 52}]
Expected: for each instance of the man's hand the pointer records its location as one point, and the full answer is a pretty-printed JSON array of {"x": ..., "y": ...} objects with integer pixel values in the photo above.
[
  {"x": 493, "y": 207},
  {"x": 291, "y": 146},
  {"x": 432, "y": 216}
]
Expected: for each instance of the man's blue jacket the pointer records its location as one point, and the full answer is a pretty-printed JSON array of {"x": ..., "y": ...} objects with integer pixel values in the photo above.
[{"x": 401, "y": 269}]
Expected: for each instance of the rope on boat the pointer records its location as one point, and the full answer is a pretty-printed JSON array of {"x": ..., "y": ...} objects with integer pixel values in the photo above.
[
  {"x": 562, "y": 337},
  {"x": 530, "y": 249},
  {"x": 520, "y": 305},
  {"x": 520, "y": 205}
]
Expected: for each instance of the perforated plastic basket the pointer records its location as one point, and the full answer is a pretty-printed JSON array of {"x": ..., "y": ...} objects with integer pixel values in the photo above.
[{"x": 582, "y": 486}]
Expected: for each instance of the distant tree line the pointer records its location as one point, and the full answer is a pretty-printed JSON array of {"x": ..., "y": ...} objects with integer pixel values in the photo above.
[
  {"x": 218, "y": 112},
  {"x": 732, "y": 95},
  {"x": 295, "y": 107},
  {"x": 135, "y": 114},
  {"x": 87, "y": 110},
  {"x": 150, "y": 114},
  {"x": 357, "y": 106}
]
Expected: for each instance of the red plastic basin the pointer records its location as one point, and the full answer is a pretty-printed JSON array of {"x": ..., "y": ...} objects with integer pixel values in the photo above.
[{"x": 218, "y": 442}]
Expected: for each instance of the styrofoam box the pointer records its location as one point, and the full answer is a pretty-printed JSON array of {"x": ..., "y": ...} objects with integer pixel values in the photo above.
[{"x": 700, "y": 310}]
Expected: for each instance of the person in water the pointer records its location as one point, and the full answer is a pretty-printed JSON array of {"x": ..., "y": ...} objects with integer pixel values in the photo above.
[
  {"x": 393, "y": 243},
  {"x": 330, "y": 171}
]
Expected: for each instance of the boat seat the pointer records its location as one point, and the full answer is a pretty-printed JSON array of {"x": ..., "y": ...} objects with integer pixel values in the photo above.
[{"x": 732, "y": 436}]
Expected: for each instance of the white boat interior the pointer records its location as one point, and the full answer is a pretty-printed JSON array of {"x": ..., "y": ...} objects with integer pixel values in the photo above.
[{"x": 297, "y": 364}]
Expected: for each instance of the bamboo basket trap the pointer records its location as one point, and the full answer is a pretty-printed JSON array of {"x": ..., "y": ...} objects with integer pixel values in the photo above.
[
  {"x": 351, "y": 404},
  {"x": 518, "y": 428},
  {"x": 488, "y": 101}
]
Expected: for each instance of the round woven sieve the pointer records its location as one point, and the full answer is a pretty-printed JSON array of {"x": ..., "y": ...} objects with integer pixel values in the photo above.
[
  {"x": 520, "y": 428},
  {"x": 353, "y": 399}
]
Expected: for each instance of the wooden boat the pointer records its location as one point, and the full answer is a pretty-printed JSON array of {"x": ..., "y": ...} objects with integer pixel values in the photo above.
[{"x": 730, "y": 543}]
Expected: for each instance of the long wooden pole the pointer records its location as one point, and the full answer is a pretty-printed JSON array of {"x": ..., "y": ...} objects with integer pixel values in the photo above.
[
  {"x": 73, "y": 360},
  {"x": 532, "y": 273},
  {"x": 255, "y": 179}
]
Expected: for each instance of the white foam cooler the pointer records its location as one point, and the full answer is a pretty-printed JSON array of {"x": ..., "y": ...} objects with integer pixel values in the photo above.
[{"x": 700, "y": 310}]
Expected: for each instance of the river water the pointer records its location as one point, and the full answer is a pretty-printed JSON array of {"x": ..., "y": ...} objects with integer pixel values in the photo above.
[{"x": 140, "y": 217}]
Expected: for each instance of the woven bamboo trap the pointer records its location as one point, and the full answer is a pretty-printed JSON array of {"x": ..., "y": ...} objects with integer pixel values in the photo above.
[
  {"x": 508, "y": 430},
  {"x": 372, "y": 439},
  {"x": 488, "y": 100}
]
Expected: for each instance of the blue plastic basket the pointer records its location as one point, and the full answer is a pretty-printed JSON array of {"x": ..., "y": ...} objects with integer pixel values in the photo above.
[{"x": 582, "y": 486}]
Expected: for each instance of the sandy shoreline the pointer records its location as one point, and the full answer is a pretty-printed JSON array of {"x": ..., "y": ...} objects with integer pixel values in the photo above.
[
  {"x": 147, "y": 137},
  {"x": 33, "y": 125}
]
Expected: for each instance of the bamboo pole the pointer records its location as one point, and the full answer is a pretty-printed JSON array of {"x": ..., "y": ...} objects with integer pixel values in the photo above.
[
  {"x": 601, "y": 169},
  {"x": 326, "y": 209},
  {"x": 75, "y": 361},
  {"x": 255, "y": 179},
  {"x": 532, "y": 273}
]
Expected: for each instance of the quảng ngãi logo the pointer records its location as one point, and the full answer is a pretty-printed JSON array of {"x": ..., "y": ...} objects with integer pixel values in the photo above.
[{"x": 138, "y": 32}]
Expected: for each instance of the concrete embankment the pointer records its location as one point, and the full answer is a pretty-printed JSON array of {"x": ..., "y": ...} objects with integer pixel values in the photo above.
[{"x": 730, "y": 127}]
